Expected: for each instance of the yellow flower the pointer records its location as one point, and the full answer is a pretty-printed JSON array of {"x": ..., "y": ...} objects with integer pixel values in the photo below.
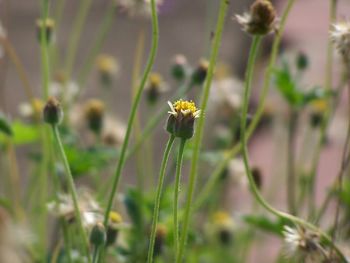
[
  {"x": 181, "y": 119},
  {"x": 184, "y": 107}
]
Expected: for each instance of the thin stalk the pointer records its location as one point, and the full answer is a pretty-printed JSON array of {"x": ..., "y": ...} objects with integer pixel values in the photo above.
[
  {"x": 255, "y": 191},
  {"x": 150, "y": 62},
  {"x": 328, "y": 86},
  {"x": 97, "y": 45},
  {"x": 291, "y": 180},
  {"x": 75, "y": 36},
  {"x": 339, "y": 179},
  {"x": 256, "y": 119},
  {"x": 198, "y": 138},
  {"x": 95, "y": 255},
  {"x": 176, "y": 193},
  {"x": 67, "y": 241},
  {"x": 11, "y": 52},
  {"x": 45, "y": 62},
  {"x": 72, "y": 190},
  {"x": 158, "y": 198},
  {"x": 137, "y": 125},
  {"x": 44, "y": 169}
]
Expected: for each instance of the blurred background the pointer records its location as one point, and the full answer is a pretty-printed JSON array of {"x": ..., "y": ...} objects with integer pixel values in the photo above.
[{"x": 185, "y": 27}]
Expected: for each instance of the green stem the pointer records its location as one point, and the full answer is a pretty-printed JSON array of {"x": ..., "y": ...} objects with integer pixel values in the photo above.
[
  {"x": 95, "y": 255},
  {"x": 291, "y": 180},
  {"x": 151, "y": 59},
  {"x": 328, "y": 86},
  {"x": 199, "y": 129},
  {"x": 256, "y": 119},
  {"x": 158, "y": 198},
  {"x": 255, "y": 191},
  {"x": 72, "y": 190},
  {"x": 176, "y": 193},
  {"x": 75, "y": 36},
  {"x": 45, "y": 63},
  {"x": 67, "y": 241},
  {"x": 100, "y": 38}
]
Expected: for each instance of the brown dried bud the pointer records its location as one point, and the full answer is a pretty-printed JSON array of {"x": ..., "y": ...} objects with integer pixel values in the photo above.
[
  {"x": 260, "y": 20},
  {"x": 52, "y": 112},
  {"x": 94, "y": 113}
]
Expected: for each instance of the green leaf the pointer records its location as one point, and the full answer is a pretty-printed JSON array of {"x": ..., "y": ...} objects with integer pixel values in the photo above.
[
  {"x": 266, "y": 224},
  {"x": 5, "y": 126},
  {"x": 22, "y": 133},
  {"x": 83, "y": 161}
]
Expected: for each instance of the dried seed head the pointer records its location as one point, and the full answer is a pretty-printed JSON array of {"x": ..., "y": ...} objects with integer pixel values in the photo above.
[
  {"x": 340, "y": 35},
  {"x": 52, "y": 112},
  {"x": 94, "y": 114},
  {"x": 260, "y": 20}
]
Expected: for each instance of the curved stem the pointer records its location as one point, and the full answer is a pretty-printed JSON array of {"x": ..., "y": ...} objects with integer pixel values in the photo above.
[
  {"x": 200, "y": 127},
  {"x": 176, "y": 193},
  {"x": 259, "y": 198},
  {"x": 158, "y": 198},
  {"x": 256, "y": 119},
  {"x": 134, "y": 107},
  {"x": 328, "y": 86},
  {"x": 72, "y": 189}
]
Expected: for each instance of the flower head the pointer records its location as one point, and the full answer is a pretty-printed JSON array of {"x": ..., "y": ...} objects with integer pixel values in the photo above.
[
  {"x": 52, "y": 112},
  {"x": 137, "y": 8},
  {"x": 155, "y": 86},
  {"x": 200, "y": 73},
  {"x": 107, "y": 67},
  {"x": 181, "y": 119},
  {"x": 179, "y": 67},
  {"x": 94, "y": 113},
  {"x": 89, "y": 209},
  {"x": 303, "y": 243},
  {"x": 340, "y": 35},
  {"x": 260, "y": 20},
  {"x": 47, "y": 25},
  {"x": 114, "y": 223}
]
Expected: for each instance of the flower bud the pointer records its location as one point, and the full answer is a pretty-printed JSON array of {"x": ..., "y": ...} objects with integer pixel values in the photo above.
[
  {"x": 155, "y": 87},
  {"x": 260, "y": 20},
  {"x": 318, "y": 111},
  {"x": 181, "y": 119},
  {"x": 94, "y": 114},
  {"x": 161, "y": 233},
  {"x": 302, "y": 62},
  {"x": 178, "y": 69},
  {"x": 115, "y": 220},
  {"x": 98, "y": 235},
  {"x": 52, "y": 112},
  {"x": 200, "y": 73},
  {"x": 107, "y": 67},
  {"x": 47, "y": 25},
  {"x": 223, "y": 227}
]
